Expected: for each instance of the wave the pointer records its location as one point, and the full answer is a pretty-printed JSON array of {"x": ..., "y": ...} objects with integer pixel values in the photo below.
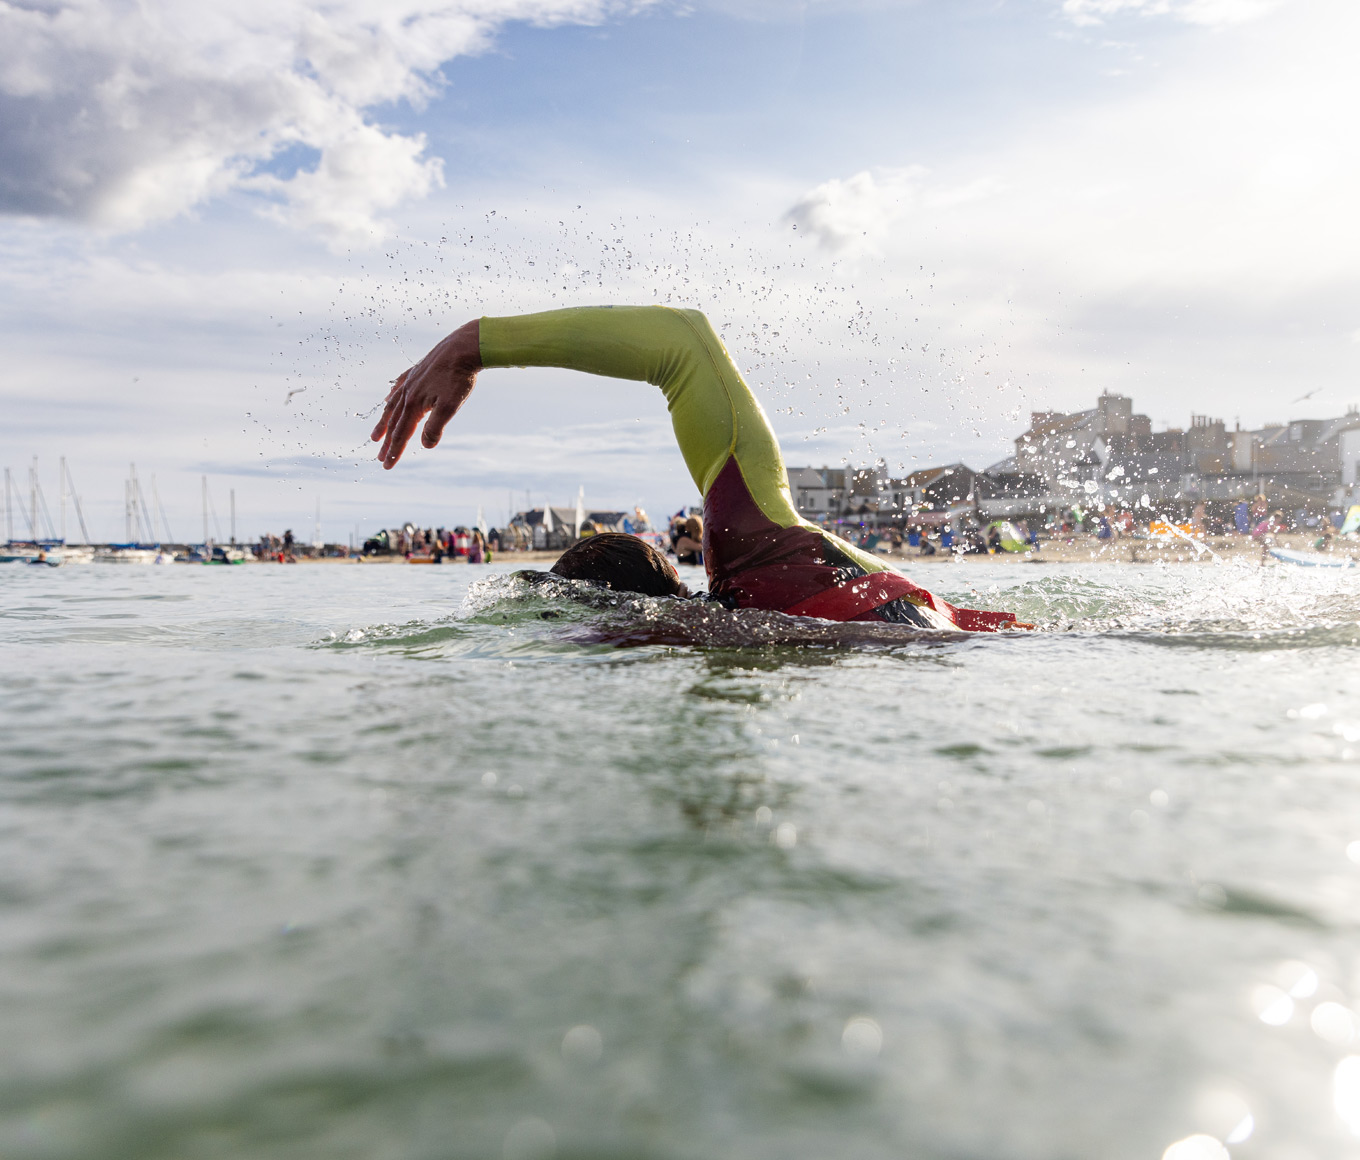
[{"x": 1232, "y": 607}]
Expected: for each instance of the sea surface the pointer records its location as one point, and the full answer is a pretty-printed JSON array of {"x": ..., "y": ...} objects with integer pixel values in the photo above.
[{"x": 395, "y": 862}]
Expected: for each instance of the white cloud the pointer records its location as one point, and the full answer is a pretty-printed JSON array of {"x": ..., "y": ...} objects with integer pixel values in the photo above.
[
  {"x": 361, "y": 171},
  {"x": 854, "y": 213},
  {"x": 858, "y": 213},
  {"x": 120, "y": 112},
  {"x": 1207, "y": 12}
]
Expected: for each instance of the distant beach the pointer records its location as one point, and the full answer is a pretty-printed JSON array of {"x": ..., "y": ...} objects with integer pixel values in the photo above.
[{"x": 1074, "y": 550}]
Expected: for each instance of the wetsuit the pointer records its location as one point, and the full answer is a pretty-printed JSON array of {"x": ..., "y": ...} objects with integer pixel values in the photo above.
[{"x": 758, "y": 551}]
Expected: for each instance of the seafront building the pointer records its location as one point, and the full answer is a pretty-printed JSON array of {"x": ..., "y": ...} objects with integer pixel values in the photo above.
[
  {"x": 1108, "y": 455},
  {"x": 555, "y": 528}
]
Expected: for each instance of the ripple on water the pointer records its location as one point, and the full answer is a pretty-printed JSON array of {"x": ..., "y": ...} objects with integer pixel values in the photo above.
[{"x": 329, "y": 862}]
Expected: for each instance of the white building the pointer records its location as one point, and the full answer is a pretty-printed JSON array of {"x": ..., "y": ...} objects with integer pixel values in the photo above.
[{"x": 818, "y": 492}]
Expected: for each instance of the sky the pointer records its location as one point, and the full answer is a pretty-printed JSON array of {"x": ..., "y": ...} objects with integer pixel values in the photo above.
[{"x": 225, "y": 228}]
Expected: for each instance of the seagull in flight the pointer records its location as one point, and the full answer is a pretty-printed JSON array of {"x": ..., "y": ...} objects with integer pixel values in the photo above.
[
  {"x": 1309, "y": 395},
  {"x": 294, "y": 391}
]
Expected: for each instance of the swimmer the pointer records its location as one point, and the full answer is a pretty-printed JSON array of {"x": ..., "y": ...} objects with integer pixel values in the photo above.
[{"x": 757, "y": 550}]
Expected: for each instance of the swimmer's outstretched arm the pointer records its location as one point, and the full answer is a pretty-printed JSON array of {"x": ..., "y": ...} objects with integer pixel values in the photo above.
[{"x": 713, "y": 413}]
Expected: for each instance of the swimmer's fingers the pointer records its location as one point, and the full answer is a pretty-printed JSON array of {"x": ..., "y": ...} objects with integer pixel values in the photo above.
[
  {"x": 396, "y": 419},
  {"x": 391, "y": 404},
  {"x": 390, "y": 421},
  {"x": 406, "y": 409},
  {"x": 400, "y": 432},
  {"x": 443, "y": 411}
]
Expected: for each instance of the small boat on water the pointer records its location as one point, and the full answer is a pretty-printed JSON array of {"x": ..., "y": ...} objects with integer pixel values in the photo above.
[
  {"x": 127, "y": 554},
  {"x": 216, "y": 554},
  {"x": 52, "y": 554},
  {"x": 1311, "y": 559}
]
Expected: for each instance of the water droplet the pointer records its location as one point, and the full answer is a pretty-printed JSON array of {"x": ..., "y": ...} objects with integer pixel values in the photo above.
[
  {"x": 1272, "y": 1006},
  {"x": 582, "y": 1044},
  {"x": 530, "y": 1139},
  {"x": 1197, "y": 1147},
  {"x": 1333, "y": 1022},
  {"x": 1299, "y": 979},
  {"x": 862, "y": 1038}
]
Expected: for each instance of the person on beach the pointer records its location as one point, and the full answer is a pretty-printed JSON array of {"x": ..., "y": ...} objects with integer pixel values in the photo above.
[
  {"x": 758, "y": 552},
  {"x": 689, "y": 544}
]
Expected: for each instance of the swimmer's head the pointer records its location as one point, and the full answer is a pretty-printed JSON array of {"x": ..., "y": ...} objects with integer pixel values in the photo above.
[{"x": 621, "y": 562}]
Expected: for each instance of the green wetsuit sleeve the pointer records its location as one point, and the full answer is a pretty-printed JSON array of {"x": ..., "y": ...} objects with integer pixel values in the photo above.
[
  {"x": 712, "y": 410},
  {"x": 713, "y": 413}
]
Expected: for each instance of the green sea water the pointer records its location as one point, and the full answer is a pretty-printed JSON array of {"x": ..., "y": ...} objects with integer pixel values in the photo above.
[{"x": 380, "y": 862}]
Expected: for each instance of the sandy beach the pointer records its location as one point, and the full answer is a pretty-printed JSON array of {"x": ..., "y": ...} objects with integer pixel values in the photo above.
[
  {"x": 1078, "y": 550},
  {"x": 1136, "y": 550}
]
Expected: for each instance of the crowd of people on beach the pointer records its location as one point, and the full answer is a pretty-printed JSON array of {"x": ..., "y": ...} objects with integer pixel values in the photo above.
[
  {"x": 435, "y": 545},
  {"x": 972, "y": 534},
  {"x": 968, "y": 533}
]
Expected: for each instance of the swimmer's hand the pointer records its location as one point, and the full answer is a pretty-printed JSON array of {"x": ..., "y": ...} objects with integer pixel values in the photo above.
[{"x": 436, "y": 386}]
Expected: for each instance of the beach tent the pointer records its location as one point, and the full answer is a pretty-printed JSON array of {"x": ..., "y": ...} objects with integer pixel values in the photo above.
[
  {"x": 1352, "y": 524},
  {"x": 1011, "y": 539}
]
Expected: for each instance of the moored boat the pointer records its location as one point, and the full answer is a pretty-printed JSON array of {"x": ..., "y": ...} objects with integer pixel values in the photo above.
[
  {"x": 126, "y": 554},
  {"x": 1310, "y": 559}
]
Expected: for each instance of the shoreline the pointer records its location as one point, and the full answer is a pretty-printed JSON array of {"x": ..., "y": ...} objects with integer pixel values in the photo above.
[
  {"x": 1140, "y": 550},
  {"x": 1078, "y": 550}
]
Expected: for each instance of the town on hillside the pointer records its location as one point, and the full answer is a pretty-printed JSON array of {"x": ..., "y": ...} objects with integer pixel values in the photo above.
[{"x": 1107, "y": 463}]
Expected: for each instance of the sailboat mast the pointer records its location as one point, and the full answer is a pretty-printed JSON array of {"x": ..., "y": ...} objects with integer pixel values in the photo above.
[
  {"x": 61, "y": 472},
  {"x": 233, "y": 517},
  {"x": 205, "y": 511},
  {"x": 75, "y": 499},
  {"x": 140, "y": 509},
  {"x": 160, "y": 510},
  {"x": 42, "y": 507}
]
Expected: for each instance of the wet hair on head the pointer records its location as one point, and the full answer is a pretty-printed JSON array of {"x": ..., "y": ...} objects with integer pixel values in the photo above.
[{"x": 621, "y": 562}]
